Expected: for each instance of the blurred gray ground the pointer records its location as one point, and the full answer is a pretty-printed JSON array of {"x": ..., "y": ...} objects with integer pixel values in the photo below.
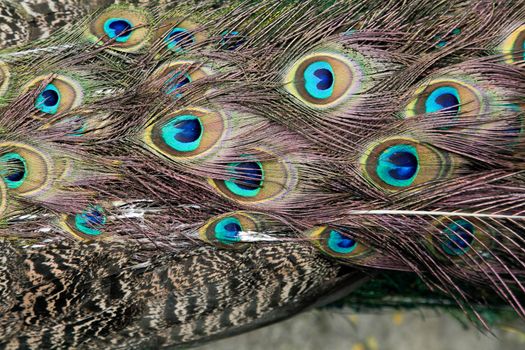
[{"x": 340, "y": 330}]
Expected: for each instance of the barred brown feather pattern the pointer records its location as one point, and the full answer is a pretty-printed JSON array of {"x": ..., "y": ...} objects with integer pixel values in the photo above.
[{"x": 93, "y": 295}]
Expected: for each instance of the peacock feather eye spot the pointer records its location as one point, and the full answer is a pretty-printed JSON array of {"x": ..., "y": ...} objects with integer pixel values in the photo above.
[
  {"x": 340, "y": 243},
  {"x": 444, "y": 99},
  {"x": 178, "y": 34},
  {"x": 319, "y": 80},
  {"x": 458, "y": 237},
  {"x": 513, "y": 46},
  {"x": 48, "y": 101},
  {"x": 13, "y": 169},
  {"x": 183, "y": 133},
  {"x": 451, "y": 97},
  {"x": 91, "y": 221},
  {"x": 24, "y": 169},
  {"x": 324, "y": 79},
  {"x": 516, "y": 129},
  {"x": 186, "y": 134},
  {"x": 175, "y": 82},
  {"x": 118, "y": 28},
  {"x": 175, "y": 75},
  {"x": 247, "y": 178},
  {"x": 124, "y": 28},
  {"x": 59, "y": 95},
  {"x": 393, "y": 164},
  {"x": 231, "y": 40},
  {"x": 451, "y": 239},
  {"x": 398, "y": 165},
  {"x": 227, "y": 230},
  {"x": 257, "y": 178},
  {"x": 88, "y": 224},
  {"x": 179, "y": 39}
]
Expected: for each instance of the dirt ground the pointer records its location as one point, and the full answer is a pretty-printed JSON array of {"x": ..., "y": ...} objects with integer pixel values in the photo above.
[{"x": 340, "y": 330}]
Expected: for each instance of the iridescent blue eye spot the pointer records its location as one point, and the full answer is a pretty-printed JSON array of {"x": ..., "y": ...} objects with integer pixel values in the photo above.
[
  {"x": 516, "y": 129},
  {"x": 443, "y": 42},
  {"x": 77, "y": 124},
  {"x": 227, "y": 230},
  {"x": 82, "y": 126},
  {"x": 398, "y": 165},
  {"x": 183, "y": 133},
  {"x": 175, "y": 82},
  {"x": 443, "y": 99},
  {"x": 91, "y": 220},
  {"x": 458, "y": 237},
  {"x": 231, "y": 40},
  {"x": 48, "y": 100},
  {"x": 341, "y": 244},
  {"x": 247, "y": 179},
  {"x": 319, "y": 80},
  {"x": 118, "y": 28},
  {"x": 13, "y": 168},
  {"x": 179, "y": 39}
]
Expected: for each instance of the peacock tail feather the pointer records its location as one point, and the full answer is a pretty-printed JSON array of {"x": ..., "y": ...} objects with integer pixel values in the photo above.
[{"x": 173, "y": 173}]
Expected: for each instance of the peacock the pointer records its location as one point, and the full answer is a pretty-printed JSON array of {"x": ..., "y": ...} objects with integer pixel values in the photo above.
[{"x": 177, "y": 172}]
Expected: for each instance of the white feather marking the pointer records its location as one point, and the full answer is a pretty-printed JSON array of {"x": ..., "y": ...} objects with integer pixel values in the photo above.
[{"x": 435, "y": 213}]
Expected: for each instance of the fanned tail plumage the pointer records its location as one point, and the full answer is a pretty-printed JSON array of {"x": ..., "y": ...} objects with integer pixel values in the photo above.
[{"x": 174, "y": 173}]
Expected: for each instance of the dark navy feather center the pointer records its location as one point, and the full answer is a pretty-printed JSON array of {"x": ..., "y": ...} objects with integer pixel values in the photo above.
[
  {"x": 448, "y": 102},
  {"x": 94, "y": 218},
  {"x": 189, "y": 130},
  {"x": 232, "y": 230},
  {"x": 462, "y": 236},
  {"x": 120, "y": 26},
  {"x": 177, "y": 81},
  {"x": 326, "y": 78},
  {"x": 16, "y": 170},
  {"x": 459, "y": 237},
  {"x": 405, "y": 165},
  {"x": 231, "y": 40},
  {"x": 181, "y": 38},
  {"x": 250, "y": 175},
  {"x": 50, "y": 98},
  {"x": 345, "y": 242}
]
